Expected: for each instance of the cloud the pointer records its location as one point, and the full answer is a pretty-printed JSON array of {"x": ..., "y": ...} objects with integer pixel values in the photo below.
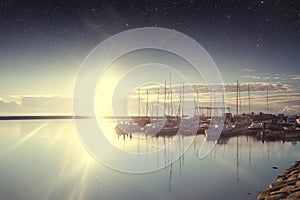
[
  {"x": 291, "y": 109},
  {"x": 259, "y": 87},
  {"x": 249, "y": 70},
  {"x": 251, "y": 76},
  {"x": 295, "y": 77},
  {"x": 35, "y": 105},
  {"x": 267, "y": 76}
]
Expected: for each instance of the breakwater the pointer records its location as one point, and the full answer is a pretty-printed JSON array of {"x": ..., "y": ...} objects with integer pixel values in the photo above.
[{"x": 287, "y": 185}]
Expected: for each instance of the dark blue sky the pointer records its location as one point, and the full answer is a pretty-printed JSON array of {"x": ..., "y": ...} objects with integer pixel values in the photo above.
[
  {"x": 42, "y": 43},
  {"x": 262, "y": 34}
]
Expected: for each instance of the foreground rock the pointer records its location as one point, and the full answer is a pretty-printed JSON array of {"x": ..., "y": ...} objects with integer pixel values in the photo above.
[{"x": 287, "y": 185}]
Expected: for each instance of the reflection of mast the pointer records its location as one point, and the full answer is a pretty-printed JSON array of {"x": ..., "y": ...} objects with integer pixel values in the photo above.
[
  {"x": 180, "y": 153},
  {"x": 183, "y": 150},
  {"x": 146, "y": 138},
  {"x": 223, "y": 149},
  {"x": 171, "y": 167},
  {"x": 157, "y": 150},
  {"x": 165, "y": 151},
  {"x": 138, "y": 146},
  {"x": 171, "y": 172},
  {"x": 249, "y": 152},
  {"x": 268, "y": 151},
  {"x": 237, "y": 159}
]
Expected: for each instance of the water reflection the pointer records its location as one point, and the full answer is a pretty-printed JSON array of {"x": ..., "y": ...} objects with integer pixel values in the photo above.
[
  {"x": 240, "y": 146},
  {"x": 51, "y": 163}
]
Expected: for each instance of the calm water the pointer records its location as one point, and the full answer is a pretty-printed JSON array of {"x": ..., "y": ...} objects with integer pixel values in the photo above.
[{"x": 46, "y": 160}]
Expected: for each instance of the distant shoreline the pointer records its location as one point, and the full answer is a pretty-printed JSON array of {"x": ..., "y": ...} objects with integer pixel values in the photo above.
[{"x": 43, "y": 117}]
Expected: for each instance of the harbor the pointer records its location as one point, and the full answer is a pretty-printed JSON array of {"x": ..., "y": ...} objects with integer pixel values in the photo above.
[
  {"x": 273, "y": 129},
  {"x": 209, "y": 118}
]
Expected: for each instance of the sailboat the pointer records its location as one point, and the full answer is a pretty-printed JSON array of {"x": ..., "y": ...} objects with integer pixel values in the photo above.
[{"x": 170, "y": 127}]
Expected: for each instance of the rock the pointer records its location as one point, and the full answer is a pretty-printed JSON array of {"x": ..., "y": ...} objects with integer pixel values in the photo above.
[
  {"x": 287, "y": 189},
  {"x": 292, "y": 178},
  {"x": 295, "y": 195},
  {"x": 294, "y": 172},
  {"x": 262, "y": 195},
  {"x": 275, "y": 197},
  {"x": 298, "y": 184},
  {"x": 278, "y": 192},
  {"x": 277, "y": 188},
  {"x": 275, "y": 184},
  {"x": 280, "y": 179},
  {"x": 297, "y": 189},
  {"x": 291, "y": 182}
]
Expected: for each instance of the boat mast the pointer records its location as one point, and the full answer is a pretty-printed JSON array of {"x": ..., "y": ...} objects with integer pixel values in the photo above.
[
  {"x": 223, "y": 104},
  {"x": 215, "y": 110},
  {"x": 197, "y": 106},
  {"x": 249, "y": 98},
  {"x": 179, "y": 113},
  {"x": 182, "y": 100},
  {"x": 139, "y": 103},
  {"x": 237, "y": 97},
  {"x": 171, "y": 95},
  {"x": 210, "y": 103},
  {"x": 147, "y": 105},
  {"x": 157, "y": 102},
  {"x": 165, "y": 97},
  {"x": 267, "y": 100},
  {"x": 240, "y": 99}
]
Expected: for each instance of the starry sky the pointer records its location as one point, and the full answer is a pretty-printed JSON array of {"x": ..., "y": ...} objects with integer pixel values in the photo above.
[{"x": 42, "y": 44}]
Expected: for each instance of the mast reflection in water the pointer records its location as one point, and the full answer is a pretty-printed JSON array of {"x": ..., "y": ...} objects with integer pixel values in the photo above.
[{"x": 54, "y": 162}]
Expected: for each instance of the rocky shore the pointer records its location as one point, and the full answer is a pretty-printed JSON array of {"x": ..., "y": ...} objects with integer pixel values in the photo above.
[{"x": 287, "y": 185}]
